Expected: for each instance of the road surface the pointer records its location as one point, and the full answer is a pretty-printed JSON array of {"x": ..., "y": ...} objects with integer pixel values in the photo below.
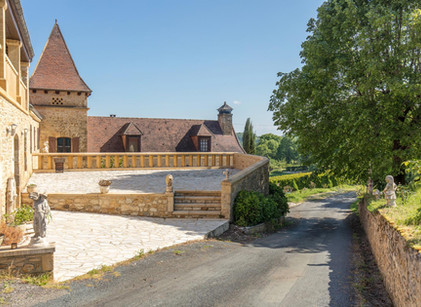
[{"x": 306, "y": 264}]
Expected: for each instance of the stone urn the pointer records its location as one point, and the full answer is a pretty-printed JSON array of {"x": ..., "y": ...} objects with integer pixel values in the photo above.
[
  {"x": 104, "y": 186},
  {"x": 30, "y": 188}
]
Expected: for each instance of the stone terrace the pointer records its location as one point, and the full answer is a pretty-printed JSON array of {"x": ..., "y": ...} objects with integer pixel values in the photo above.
[{"x": 129, "y": 182}]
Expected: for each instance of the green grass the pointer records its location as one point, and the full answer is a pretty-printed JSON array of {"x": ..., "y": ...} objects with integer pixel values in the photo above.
[{"x": 302, "y": 195}]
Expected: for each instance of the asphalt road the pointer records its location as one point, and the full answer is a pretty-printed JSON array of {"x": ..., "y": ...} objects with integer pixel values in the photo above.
[{"x": 307, "y": 264}]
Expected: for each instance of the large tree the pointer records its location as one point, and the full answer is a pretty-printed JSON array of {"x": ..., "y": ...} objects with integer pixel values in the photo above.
[
  {"x": 356, "y": 100},
  {"x": 249, "y": 138}
]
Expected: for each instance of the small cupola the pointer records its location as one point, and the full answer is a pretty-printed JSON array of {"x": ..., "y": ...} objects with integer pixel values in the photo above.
[{"x": 225, "y": 118}]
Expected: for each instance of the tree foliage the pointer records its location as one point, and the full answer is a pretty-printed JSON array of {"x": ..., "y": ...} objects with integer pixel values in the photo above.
[
  {"x": 249, "y": 138},
  {"x": 357, "y": 98}
]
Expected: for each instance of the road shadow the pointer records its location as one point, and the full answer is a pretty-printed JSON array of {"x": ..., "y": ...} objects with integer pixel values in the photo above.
[{"x": 327, "y": 238}]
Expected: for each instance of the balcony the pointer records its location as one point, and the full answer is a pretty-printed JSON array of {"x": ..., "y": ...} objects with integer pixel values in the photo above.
[{"x": 14, "y": 85}]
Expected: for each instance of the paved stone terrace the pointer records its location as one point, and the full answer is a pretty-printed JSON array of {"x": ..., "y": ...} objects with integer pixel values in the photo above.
[
  {"x": 128, "y": 182},
  {"x": 85, "y": 241}
]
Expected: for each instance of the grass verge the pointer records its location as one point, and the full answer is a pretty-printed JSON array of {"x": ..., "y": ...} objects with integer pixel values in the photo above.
[{"x": 302, "y": 195}]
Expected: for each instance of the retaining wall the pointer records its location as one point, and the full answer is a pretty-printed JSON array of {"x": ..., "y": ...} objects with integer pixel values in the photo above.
[
  {"x": 157, "y": 205},
  {"x": 399, "y": 264},
  {"x": 25, "y": 260},
  {"x": 254, "y": 176}
]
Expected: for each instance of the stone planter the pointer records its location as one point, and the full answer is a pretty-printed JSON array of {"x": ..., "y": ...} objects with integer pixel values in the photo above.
[
  {"x": 104, "y": 186},
  {"x": 104, "y": 189},
  {"x": 30, "y": 188},
  {"x": 59, "y": 163}
]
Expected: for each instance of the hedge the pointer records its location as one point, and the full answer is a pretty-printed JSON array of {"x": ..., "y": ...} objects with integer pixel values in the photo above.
[
  {"x": 252, "y": 208},
  {"x": 310, "y": 180}
]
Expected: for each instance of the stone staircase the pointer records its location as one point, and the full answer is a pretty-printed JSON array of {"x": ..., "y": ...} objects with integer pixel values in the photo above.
[{"x": 197, "y": 204}]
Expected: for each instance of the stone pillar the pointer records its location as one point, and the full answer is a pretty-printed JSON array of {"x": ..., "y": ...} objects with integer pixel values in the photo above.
[
  {"x": 226, "y": 199},
  {"x": 3, "y": 8},
  {"x": 170, "y": 202}
]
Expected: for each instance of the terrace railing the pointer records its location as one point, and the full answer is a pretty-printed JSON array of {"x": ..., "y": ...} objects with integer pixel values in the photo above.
[{"x": 44, "y": 162}]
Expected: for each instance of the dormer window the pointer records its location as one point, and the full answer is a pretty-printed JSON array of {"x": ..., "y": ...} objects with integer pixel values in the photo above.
[
  {"x": 204, "y": 144},
  {"x": 130, "y": 137}
]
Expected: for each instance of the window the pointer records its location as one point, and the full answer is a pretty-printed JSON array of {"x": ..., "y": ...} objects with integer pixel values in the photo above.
[
  {"x": 133, "y": 143},
  {"x": 204, "y": 144},
  {"x": 64, "y": 145}
]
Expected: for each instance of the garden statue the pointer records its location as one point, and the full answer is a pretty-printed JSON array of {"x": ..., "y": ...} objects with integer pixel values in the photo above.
[
  {"x": 11, "y": 195},
  {"x": 45, "y": 149},
  {"x": 41, "y": 213},
  {"x": 169, "y": 182},
  {"x": 376, "y": 194},
  {"x": 227, "y": 174},
  {"x": 389, "y": 191},
  {"x": 370, "y": 185}
]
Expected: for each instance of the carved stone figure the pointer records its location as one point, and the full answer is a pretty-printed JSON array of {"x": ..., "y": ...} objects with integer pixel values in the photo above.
[
  {"x": 11, "y": 195},
  {"x": 376, "y": 194},
  {"x": 227, "y": 174},
  {"x": 46, "y": 147},
  {"x": 389, "y": 191},
  {"x": 41, "y": 212},
  {"x": 169, "y": 182},
  {"x": 370, "y": 185}
]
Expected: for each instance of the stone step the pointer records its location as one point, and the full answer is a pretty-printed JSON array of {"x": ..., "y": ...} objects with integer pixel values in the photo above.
[
  {"x": 197, "y": 199},
  {"x": 197, "y": 207},
  {"x": 198, "y": 193},
  {"x": 197, "y": 214}
]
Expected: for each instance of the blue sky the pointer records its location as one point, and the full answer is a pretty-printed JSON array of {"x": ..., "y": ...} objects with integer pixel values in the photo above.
[{"x": 177, "y": 58}]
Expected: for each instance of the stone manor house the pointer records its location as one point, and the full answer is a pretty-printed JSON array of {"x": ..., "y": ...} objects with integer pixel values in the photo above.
[{"x": 49, "y": 112}]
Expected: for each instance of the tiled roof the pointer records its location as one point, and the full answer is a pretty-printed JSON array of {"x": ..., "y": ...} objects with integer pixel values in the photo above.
[
  {"x": 55, "y": 69},
  {"x": 131, "y": 129},
  {"x": 159, "y": 135}
]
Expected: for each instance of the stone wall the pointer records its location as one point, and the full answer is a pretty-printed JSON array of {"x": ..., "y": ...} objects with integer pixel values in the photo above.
[
  {"x": 27, "y": 260},
  {"x": 399, "y": 264},
  {"x": 70, "y": 122},
  {"x": 157, "y": 205},
  {"x": 252, "y": 178},
  {"x": 10, "y": 114},
  {"x": 58, "y": 98},
  {"x": 243, "y": 161}
]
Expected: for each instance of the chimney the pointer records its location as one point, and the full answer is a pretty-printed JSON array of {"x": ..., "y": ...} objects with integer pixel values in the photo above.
[
  {"x": 112, "y": 115},
  {"x": 225, "y": 119}
]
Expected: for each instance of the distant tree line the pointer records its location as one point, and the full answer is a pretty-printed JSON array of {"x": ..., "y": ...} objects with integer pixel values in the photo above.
[{"x": 280, "y": 148}]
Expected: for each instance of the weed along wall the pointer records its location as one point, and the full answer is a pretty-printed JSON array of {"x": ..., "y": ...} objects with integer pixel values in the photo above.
[
  {"x": 399, "y": 264},
  {"x": 158, "y": 205},
  {"x": 254, "y": 176}
]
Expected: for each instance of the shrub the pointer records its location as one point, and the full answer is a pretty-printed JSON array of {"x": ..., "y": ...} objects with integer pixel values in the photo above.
[
  {"x": 247, "y": 208},
  {"x": 12, "y": 234},
  {"x": 252, "y": 208},
  {"x": 277, "y": 194},
  {"x": 23, "y": 214}
]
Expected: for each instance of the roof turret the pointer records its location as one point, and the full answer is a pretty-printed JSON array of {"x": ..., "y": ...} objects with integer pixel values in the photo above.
[{"x": 56, "y": 69}]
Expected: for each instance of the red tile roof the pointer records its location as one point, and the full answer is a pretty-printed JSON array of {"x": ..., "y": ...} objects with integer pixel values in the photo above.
[
  {"x": 159, "y": 135},
  {"x": 55, "y": 69}
]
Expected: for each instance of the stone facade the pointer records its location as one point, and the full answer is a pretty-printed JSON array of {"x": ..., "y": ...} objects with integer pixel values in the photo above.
[
  {"x": 399, "y": 264},
  {"x": 157, "y": 205},
  {"x": 27, "y": 260},
  {"x": 20, "y": 146},
  {"x": 254, "y": 176},
  {"x": 69, "y": 120}
]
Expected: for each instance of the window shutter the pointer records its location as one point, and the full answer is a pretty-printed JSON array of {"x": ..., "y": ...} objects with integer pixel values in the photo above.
[
  {"x": 52, "y": 144},
  {"x": 75, "y": 144}
]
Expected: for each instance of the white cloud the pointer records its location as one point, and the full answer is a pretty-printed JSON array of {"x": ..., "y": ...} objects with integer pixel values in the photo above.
[{"x": 236, "y": 102}]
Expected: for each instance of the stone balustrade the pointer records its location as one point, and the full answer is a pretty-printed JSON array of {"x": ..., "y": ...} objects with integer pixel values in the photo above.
[{"x": 44, "y": 162}]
